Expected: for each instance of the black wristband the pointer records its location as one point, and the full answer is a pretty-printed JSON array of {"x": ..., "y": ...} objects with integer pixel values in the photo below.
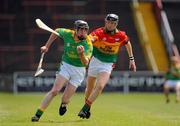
[{"x": 131, "y": 58}]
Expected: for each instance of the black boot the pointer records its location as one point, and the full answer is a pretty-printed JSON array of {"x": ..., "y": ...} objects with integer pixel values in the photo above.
[
  {"x": 62, "y": 109},
  {"x": 34, "y": 119},
  {"x": 85, "y": 112},
  {"x": 37, "y": 116}
]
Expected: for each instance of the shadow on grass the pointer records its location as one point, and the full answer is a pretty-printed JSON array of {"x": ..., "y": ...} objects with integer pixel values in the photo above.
[{"x": 68, "y": 121}]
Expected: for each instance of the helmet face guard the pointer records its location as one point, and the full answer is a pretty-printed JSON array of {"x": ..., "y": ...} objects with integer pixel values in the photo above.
[{"x": 81, "y": 25}]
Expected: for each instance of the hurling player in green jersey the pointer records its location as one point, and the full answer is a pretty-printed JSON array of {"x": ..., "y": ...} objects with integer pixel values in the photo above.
[
  {"x": 77, "y": 52},
  {"x": 173, "y": 79}
]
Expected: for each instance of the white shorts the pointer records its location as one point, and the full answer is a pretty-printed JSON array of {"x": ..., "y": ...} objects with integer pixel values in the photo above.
[
  {"x": 96, "y": 66},
  {"x": 172, "y": 83},
  {"x": 74, "y": 74}
]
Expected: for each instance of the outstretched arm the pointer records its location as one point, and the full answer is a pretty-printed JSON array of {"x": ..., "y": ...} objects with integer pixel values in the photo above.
[
  {"x": 51, "y": 39},
  {"x": 84, "y": 59},
  {"x": 132, "y": 65}
]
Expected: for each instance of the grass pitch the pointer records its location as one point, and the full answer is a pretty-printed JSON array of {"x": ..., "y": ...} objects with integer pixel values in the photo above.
[{"x": 110, "y": 109}]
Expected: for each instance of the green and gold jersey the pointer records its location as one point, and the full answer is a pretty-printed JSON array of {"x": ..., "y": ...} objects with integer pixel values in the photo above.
[
  {"x": 70, "y": 54},
  {"x": 173, "y": 74}
]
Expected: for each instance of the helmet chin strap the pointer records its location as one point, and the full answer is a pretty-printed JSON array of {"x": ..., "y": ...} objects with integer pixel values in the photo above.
[{"x": 110, "y": 32}]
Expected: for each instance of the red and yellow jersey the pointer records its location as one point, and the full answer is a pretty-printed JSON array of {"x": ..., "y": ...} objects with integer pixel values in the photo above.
[{"x": 106, "y": 46}]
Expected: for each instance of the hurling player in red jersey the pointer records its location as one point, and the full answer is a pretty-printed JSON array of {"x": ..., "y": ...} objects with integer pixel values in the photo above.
[{"x": 106, "y": 43}]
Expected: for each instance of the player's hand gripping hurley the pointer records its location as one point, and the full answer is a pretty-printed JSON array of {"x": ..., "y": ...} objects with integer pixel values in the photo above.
[
  {"x": 43, "y": 26},
  {"x": 39, "y": 69}
]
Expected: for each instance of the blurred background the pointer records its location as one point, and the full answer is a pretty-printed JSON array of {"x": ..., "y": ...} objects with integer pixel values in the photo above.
[{"x": 152, "y": 26}]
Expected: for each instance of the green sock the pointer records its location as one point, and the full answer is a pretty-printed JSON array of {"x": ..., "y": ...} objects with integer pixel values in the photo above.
[
  {"x": 39, "y": 113},
  {"x": 86, "y": 107}
]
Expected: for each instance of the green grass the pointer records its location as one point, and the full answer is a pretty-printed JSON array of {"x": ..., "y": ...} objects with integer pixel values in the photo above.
[{"x": 111, "y": 109}]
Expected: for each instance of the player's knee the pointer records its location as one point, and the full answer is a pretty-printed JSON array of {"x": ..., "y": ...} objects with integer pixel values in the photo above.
[
  {"x": 166, "y": 87},
  {"x": 100, "y": 87},
  {"x": 177, "y": 88}
]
